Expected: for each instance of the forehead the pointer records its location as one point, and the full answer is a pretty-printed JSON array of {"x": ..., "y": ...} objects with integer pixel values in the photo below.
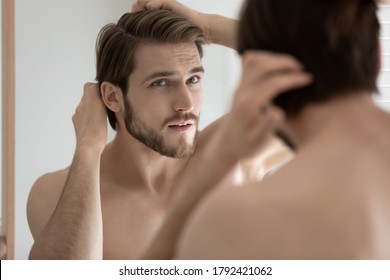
[{"x": 151, "y": 57}]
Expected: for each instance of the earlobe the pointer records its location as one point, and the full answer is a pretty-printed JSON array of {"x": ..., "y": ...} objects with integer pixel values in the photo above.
[{"x": 112, "y": 96}]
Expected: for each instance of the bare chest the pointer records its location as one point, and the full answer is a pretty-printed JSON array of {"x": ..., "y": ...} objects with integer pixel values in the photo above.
[{"x": 130, "y": 221}]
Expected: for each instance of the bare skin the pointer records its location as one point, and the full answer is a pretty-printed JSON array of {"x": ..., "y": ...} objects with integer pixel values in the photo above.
[
  {"x": 140, "y": 189},
  {"x": 137, "y": 199},
  {"x": 305, "y": 220},
  {"x": 114, "y": 198},
  {"x": 342, "y": 213},
  {"x": 265, "y": 72},
  {"x": 72, "y": 196}
]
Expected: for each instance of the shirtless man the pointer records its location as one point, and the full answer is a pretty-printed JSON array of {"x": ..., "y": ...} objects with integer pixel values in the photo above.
[
  {"x": 112, "y": 199},
  {"x": 332, "y": 200}
]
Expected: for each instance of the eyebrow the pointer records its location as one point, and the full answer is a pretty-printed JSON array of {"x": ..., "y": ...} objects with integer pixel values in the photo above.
[{"x": 171, "y": 73}]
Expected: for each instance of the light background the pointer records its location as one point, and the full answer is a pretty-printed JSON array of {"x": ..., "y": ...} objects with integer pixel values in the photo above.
[{"x": 55, "y": 42}]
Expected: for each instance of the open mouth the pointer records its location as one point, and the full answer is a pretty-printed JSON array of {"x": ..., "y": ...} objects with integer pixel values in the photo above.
[{"x": 181, "y": 127}]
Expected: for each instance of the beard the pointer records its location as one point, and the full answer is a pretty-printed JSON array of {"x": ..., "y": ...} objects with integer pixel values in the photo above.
[{"x": 155, "y": 141}]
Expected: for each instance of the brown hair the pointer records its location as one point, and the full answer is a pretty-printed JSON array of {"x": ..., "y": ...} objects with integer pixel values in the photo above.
[
  {"x": 335, "y": 40},
  {"x": 117, "y": 43}
]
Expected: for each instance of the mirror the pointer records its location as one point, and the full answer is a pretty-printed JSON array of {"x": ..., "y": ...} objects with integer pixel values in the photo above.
[{"x": 55, "y": 57}]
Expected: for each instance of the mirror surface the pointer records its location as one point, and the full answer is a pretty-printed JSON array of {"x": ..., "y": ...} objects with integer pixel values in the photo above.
[
  {"x": 55, "y": 43},
  {"x": 55, "y": 56}
]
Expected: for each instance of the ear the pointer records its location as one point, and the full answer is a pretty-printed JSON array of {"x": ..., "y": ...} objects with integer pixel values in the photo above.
[{"x": 112, "y": 96}]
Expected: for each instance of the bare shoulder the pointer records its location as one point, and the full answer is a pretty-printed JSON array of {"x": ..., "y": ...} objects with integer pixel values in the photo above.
[
  {"x": 208, "y": 132},
  {"x": 272, "y": 219},
  {"x": 220, "y": 225},
  {"x": 255, "y": 221},
  {"x": 290, "y": 215},
  {"x": 43, "y": 199}
]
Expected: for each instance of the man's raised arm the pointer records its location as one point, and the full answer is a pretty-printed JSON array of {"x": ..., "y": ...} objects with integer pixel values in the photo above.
[
  {"x": 218, "y": 29},
  {"x": 74, "y": 230}
]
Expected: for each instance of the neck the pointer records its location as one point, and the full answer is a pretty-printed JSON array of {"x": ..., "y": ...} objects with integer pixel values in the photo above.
[
  {"x": 345, "y": 113},
  {"x": 128, "y": 162}
]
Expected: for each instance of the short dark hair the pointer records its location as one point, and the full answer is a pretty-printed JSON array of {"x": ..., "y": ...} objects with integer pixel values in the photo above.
[
  {"x": 117, "y": 43},
  {"x": 335, "y": 40}
]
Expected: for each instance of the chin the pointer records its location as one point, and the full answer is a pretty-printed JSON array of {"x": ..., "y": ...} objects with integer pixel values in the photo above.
[{"x": 178, "y": 152}]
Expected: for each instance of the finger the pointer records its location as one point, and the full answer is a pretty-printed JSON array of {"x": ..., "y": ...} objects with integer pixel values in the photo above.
[
  {"x": 91, "y": 87},
  {"x": 257, "y": 64},
  {"x": 152, "y": 5},
  {"x": 135, "y": 8},
  {"x": 140, "y": 5},
  {"x": 91, "y": 94},
  {"x": 263, "y": 92},
  {"x": 282, "y": 82}
]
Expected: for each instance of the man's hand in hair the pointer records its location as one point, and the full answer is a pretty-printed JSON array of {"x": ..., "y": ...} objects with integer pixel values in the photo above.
[
  {"x": 90, "y": 119},
  {"x": 253, "y": 120},
  {"x": 196, "y": 17},
  {"x": 217, "y": 29}
]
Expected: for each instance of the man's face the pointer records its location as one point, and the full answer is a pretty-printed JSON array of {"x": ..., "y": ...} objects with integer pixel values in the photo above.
[{"x": 164, "y": 98}]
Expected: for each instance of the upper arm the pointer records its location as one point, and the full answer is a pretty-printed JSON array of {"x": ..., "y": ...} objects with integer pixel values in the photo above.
[
  {"x": 209, "y": 131},
  {"x": 43, "y": 199}
]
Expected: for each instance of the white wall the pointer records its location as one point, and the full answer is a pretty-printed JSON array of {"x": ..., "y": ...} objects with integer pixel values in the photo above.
[
  {"x": 55, "y": 42},
  {"x": 383, "y": 100}
]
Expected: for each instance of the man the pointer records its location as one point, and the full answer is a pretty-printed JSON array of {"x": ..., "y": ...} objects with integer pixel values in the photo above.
[
  {"x": 332, "y": 200},
  {"x": 112, "y": 200}
]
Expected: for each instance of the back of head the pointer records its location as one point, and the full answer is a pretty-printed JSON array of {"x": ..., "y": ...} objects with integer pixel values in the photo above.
[
  {"x": 117, "y": 44},
  {"x": 335, "y": 40}
]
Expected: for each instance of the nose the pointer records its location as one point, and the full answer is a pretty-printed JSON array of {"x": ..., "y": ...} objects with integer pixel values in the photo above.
[{"x": 183, "y": 101}]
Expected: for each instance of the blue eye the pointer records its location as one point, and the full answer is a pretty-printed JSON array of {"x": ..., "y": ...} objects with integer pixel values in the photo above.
[
  {"x": 194, "y": 80},
  {"x": 159, "y": 83}
]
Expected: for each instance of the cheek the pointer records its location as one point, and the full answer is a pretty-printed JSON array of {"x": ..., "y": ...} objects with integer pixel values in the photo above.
[
  {"x": 198, "y": 100},
  {"x": 146, "y": 105}
]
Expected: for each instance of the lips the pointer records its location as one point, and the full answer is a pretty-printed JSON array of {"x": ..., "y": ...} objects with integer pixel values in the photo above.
[
  {"x": 180, "y": 119},
  {"x": 181, "y": 126}
]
